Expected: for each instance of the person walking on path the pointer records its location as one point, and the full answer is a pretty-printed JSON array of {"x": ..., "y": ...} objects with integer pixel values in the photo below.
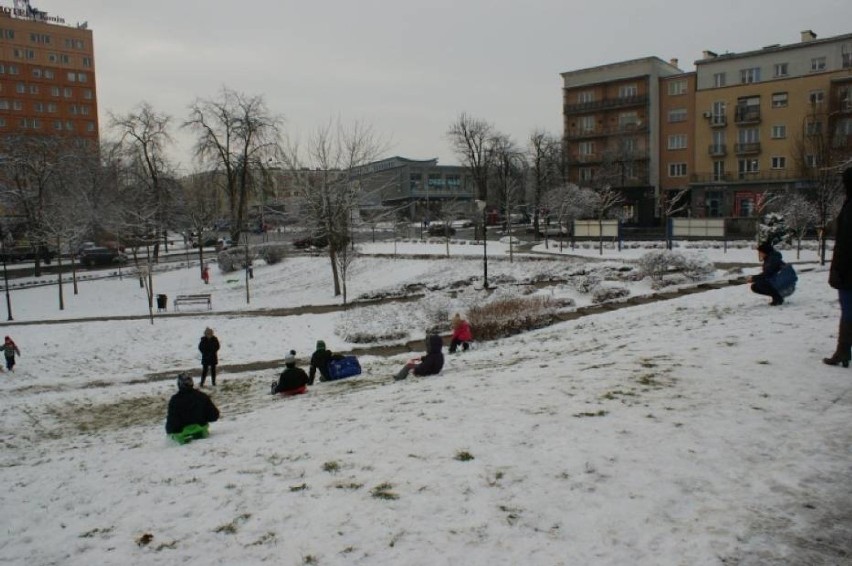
[
  {"x": 209, "y": 348},
  {"x": 190, "y": 412},
  {"x": 840, "y": 276},
  {"x": 10, "y": 349},
  {"x": 462, "y": 335},
  {"x": 293, "y": 380},
  {"x": 772, "y": 264},
  {"x": 430, "y": 364}
]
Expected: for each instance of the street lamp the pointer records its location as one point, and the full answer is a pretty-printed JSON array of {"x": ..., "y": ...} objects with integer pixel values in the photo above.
[
  {"x": 3, "y": 244},
  {"x": 480, "y": 205}
]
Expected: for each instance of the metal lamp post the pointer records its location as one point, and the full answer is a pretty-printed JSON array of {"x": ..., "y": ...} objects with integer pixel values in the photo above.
[
  {"x": 6, "y": 280},
  {"x": 480, "y": 205}
]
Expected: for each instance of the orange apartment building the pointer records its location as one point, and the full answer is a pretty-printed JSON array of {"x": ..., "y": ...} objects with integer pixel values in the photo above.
[
  {"x": 611, "y": 130},
  {"x": 47, "y": 75},
  {"x": 733, "y": 132}
]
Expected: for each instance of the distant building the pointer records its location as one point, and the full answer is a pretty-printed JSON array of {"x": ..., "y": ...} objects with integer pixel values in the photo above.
[{"x": 47, "y": 75}]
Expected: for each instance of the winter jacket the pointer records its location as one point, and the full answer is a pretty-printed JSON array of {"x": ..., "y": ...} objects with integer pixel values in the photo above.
[
  {"x": 208, "y": 348},
  {"x": 772, "y": 264},
  {"x": 291, "y": 378},
  {"x": 433, "y": 361},
  {"x": 319, "y": 361},
  {"x": 10, "y": 349},
  {"x": 462, "y": 332},
  {"x": 190, "y": 406},
  {"x": 840, "y": 272}
]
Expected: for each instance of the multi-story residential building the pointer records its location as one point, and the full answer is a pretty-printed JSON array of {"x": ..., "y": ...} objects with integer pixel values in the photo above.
[
  {"x": 759, "y": 113},
  {"x": 611, "y": 130},
  {"x": 677, "y": 141},
  {"x": 47, "y": 75}
]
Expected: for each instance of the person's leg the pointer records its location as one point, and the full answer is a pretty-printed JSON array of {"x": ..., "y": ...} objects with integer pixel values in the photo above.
[
  {"x": 843, "y": 351},
  {"x": 762, "y": 287},
  {"x": 465, "y": 346},
  {"x": 204, "y": 369},
  {"x": 403, "y": 373},
  {"x": 454, "y": 344},
  {"x": 213, "y": 375}
]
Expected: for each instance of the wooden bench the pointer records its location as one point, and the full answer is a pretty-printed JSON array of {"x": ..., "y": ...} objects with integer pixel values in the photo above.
[{"x": 204, "y": 298}]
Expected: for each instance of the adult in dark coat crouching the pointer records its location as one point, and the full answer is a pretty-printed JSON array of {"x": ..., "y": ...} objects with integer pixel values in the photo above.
[
  {"x": 772, "y": 264},
  {"x": 430, "y": 364},
  {"x": 840, "y": 276}
]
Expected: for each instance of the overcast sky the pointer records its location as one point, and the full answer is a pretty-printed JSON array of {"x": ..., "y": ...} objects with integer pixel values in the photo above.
[{"x": 407, "y": 68}]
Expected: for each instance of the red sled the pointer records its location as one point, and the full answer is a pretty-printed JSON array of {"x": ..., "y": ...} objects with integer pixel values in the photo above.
[
  {"x": 347, "y": 366},
  {"x": 291, "y": 392}
]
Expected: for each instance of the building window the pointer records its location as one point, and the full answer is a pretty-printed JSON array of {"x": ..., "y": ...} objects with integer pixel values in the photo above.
[
  {"x": 435, "y": 180},
  {"x": 13, "y": 70},
  {"x": 90, "y": 126},
  {"x": 846, "y": 55},
  {"x": 57, "y": 124},
  {"x": 52, "y": 58},
  {"x": 587, "y": 123},
  {"x": 17, "y": 105},
  {"x": 719, "y": 80},
  {"x": 744, "y": 204},
  {"x": 87, "y": 94},
  {"x": 677, "y": 169},
  {"x": 586, "y": 174},
  {"x": 779, "y": 100},
  {"x": 72, "y": 77},
  {"x": 586, "y": 148},
  {"x": 817, "y": 64},
  {"x": 72, "y": 108},
  {"x": 779, "y": 132},
  {"x": 36, "y": 73},
  {"x": 4, "y": 104},
  {"x": 718, "y": 113},
  {"x": 585, "y": 96},
  {"x": 629, "y": 145},
  {"x": 751, "y": 75},
  {"x": 811, "y": 160},
  {"x": 748, "y": 135},
  {"x": 48, "y": 73},
  {"x": 2, "y": 122},
  {"x": 816, "y": 97},
  {"x": 628, "y": 119},
  {"x": 677, "y": 115},
  {"x": 813, "y": 127},
  {"x": 69, "y": 125},
  {"x": 38, "y": 106},
  {"x": 51, "y": 107},
  {"x": 7, "y": 33},
  {"x": 718, "y": 170},
  {"x": 627, "y": 91},
  {"x": 713, "y": 203},
  {"x": 779, "y": 162},
  {"x": 677, "y": 87},
  {"x": 677, "y": 141},
  {"x": 781, "y": 70},
  {"x": 20, "y": 88},
  {"x": 54, "y": 91},
  {"x": 87, "y": 61},
  {"x": 33, "y": 89},
  {"x": 453, "y": 181},
  {"x": 748, "y": 167},
  {"x": 82, "y": 77},
  {"x": 68, "y": 92},
  {"x": 40, "y": 38},
  {"x": 414, "y": 180}
]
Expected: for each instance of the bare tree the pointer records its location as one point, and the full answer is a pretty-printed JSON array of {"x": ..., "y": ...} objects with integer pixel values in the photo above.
[
  {"x": 472, "y": 142},
  {"x": 144, "y": 140},
  {"x": 544, "y": 154},
  {"x": 237, "y": 136},
  {"x": 327, "y": 174},
  {"x": 672, "y": 202},
  {"x": 800, "y": 215},
  {"x": 568, "y": 203},
  {"x": 199, "y": 206}
]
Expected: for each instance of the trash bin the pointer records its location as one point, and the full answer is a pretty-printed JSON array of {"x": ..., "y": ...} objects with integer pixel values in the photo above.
[{"x": 162, "y": 302}]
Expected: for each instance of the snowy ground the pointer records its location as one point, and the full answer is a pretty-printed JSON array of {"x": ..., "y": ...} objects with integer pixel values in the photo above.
[{"x": 699, "y": 430}]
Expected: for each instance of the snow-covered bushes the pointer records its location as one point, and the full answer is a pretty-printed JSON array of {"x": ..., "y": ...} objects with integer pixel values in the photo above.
[
  {"x": 377, "y": 323},
  {"x": 659, "y": 264},
  {"x": 601, "y": 294},
  {"x": 271, "y": 252},
  {"x": 507, "y": 316},
  {"x": 232, "y": 259}
]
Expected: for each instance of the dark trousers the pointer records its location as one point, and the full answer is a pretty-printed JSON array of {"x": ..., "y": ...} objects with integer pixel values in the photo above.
[
  {"x": 764, "y": 287},
  {"x": 10, "y": 363},
  {"x": 454, "y": 344},
  {"x": 845, "y": 296},
  {"x": 212, "y": 368}
]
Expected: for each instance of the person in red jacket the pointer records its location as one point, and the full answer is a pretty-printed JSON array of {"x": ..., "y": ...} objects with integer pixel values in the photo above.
[{"x": 461, "y": 334}]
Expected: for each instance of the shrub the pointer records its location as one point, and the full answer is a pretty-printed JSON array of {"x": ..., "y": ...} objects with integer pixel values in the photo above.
[
  {"x": 507, "y": 316},
  {"x": 602, "y": 294},
  {"x": 271, "y": 252},
  {"x": 659, "y": 264},
  {"x": 234, "y": 258}
]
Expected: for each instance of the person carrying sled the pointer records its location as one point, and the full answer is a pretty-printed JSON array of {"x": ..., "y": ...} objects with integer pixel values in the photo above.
[
  {"x": 461, "y": 334},
  {"x": 430, "y": 364},
  {"x": 772, "y": 264},
  {"x": 293, "y": 380},
  {"x": 9, "y": 351},
  {"x": 209, "y": 348},
  {"x": 190, "y": 412},
  {"x": 319, "y": 361}
]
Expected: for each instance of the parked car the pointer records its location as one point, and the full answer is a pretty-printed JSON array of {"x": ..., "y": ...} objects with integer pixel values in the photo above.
[
  {"x": 208, "y": 242},
  {"x": 440, "y": 229},
  {"x": 100, "y": 255},
  {"x": 462, "y": 223},
  {"x": 311, "y": 242}
]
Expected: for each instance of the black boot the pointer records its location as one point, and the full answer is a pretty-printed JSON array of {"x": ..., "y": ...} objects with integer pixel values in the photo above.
[{"x": 843, "y": 353}]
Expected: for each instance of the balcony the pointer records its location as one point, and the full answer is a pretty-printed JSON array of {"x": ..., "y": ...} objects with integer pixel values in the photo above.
[
  {"x": 718, "y": 150},
  {"x": 705, "y": 178},
  {"x": 747, "y": 115},
  {"x": 580, "y": 133},
  {"x": 745, "y": 176},
  {"x": 606, "y": 104},
  {"x": 747, "y": 148},
  {"x": 588, "y": 158},
  {"x": 718, "y": 121}
]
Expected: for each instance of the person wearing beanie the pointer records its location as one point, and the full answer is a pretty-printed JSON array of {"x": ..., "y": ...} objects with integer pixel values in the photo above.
[
  {"x": 209, "y": 348},
  {"x": 772, "y": 264},
  {"x": 10, "y": 349},
  {"x": 190, "y": 412},
  {"x": 462, "y": 335},
  {"x": 840, "y": 275},
  {"x": 430, "y": 364},
  {"x": 293, "y": 380},
  {"x": 319, "y": 361}
]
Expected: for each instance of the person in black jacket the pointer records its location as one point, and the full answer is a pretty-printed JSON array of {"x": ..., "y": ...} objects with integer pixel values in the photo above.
[
  {"x": 840, "y": 276},
  {"x": 293, "y": 380},
  {"x": 319, "y": 361},
  {"x": 190, "y": 412},
  {"x": 430, "y": 364},
  {"x": 772, "y": 264},
  {"x": 208, "y": 346}
]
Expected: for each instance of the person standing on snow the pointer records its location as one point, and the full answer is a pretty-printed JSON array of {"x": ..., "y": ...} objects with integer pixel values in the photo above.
[
  {"x": 430, "y": 364},
  {"x": 840, "y": 276},
  {"x": 190, "y": 412},
  {"x": 461, "y": 334},
  {"x": 9, "y": 350},
  {"x": 209, "y": 348}
]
